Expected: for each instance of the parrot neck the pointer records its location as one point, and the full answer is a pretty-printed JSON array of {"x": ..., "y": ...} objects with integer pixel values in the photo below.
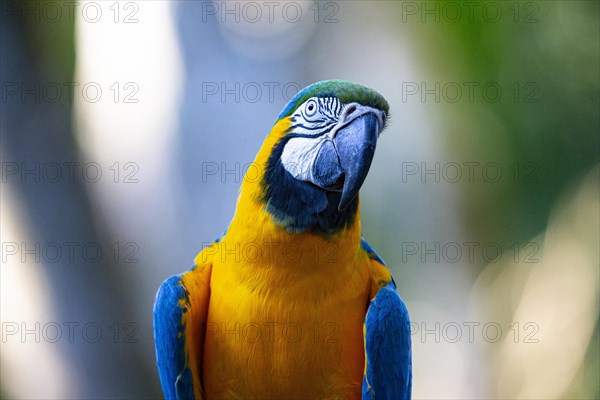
[{"x": 254, "y": 230}]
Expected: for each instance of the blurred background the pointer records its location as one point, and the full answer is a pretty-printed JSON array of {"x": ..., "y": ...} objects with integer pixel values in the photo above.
[{"x": 126, "y": 128}]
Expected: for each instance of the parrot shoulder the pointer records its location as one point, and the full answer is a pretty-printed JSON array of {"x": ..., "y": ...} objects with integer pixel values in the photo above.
[
  {"x": 388, "y": 369},
  {"x": 180, "y": 314},
  {"x": 380, "y": 275}
]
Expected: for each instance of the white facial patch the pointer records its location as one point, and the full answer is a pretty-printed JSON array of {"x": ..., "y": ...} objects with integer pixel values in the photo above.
[{"x": 300, "y": 154}]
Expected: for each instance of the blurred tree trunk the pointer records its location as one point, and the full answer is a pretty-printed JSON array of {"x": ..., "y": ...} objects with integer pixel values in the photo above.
[{"x": 37, "y": 56}]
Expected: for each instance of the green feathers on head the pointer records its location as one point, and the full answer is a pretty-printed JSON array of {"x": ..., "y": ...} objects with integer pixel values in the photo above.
[{"x": 346, "y": 91}]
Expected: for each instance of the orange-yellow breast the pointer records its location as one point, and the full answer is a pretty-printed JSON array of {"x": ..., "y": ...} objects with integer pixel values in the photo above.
[{"x": 286, "y": 323}]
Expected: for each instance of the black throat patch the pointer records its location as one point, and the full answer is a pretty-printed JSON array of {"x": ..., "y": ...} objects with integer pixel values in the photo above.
[{"x": 302, "y": 206}]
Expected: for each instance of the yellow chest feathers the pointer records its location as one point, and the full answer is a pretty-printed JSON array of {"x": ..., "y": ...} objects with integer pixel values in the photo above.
[{"x": 286, "y": 318}]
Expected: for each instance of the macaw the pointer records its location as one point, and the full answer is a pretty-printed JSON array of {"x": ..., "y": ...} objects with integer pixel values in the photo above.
[{"x": 291, "y": 302}]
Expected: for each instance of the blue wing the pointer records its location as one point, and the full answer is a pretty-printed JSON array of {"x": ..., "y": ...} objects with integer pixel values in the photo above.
[
  {"x": 388, "y": 372},
  {"x": 171, "y": 304},
  {"x": 180, "y": 315}
]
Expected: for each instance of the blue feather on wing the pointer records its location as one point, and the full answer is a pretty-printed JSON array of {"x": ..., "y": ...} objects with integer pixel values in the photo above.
[
  {"x": 387, "y": 343},
  {"x": 169, "y": 336}
]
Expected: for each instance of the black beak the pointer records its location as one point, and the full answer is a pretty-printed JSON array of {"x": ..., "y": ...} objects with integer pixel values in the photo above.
[{"x": 355, "y": 144}]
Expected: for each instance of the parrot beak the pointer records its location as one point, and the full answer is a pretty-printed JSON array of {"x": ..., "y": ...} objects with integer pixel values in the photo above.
[
  {"x": 355, "y": 143},
  {"x": 344, "y": 159}
]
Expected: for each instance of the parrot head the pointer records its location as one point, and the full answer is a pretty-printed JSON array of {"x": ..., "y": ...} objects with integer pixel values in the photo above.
[{"x": 318, "y": 154}]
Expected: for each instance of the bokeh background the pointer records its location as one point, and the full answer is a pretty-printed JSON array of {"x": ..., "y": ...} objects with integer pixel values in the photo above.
[{"x": 126, "y": 128}]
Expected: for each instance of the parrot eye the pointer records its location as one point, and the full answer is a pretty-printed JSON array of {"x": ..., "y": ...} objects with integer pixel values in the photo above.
[{"x": 311, "y": 108}]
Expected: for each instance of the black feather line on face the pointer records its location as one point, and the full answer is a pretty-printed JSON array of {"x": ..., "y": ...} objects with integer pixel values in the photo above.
[{"x": 300, "y": 206}]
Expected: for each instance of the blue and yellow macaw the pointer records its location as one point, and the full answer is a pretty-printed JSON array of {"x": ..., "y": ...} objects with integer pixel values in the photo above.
[{"x": 290, "y": 302}]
